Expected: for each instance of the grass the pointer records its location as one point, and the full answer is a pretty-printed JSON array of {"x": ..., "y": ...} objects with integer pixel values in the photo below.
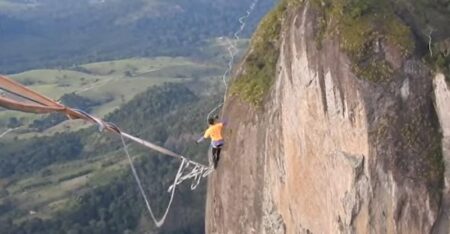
[
  {"x": 56, "y": 187},
  {"x": 111, "y": 83},
  {"x": 134, "y": 66},
  {"x": 123, "y": 75},
  {"x": 50, "y": 190}
]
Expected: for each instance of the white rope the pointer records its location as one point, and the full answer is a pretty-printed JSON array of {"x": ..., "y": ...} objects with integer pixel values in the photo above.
[
  {"x": 153, "y": 146},
  {"x": 198, "y": 171},
  {"x": 232, "y": 51},
  {"x": 430, "y": 48},
  {"x": 94, "y": 86},
  {"x": 8, "y": 131},
  {"x": 157, "y": 222}
]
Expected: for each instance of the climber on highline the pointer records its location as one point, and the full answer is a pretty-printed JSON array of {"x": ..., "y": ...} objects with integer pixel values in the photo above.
[{"x": 214, "y": 132}]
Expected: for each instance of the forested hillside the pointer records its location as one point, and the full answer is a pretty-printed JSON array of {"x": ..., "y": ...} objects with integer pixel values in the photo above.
[
  {"x": 168, "y": 115},
  {"x": 61, "y": 33}
]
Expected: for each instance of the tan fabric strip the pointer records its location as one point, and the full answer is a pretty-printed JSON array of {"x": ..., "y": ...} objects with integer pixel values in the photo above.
[
  {"x": 14, "y": 87},
  {"x": 30, "y": 108}
]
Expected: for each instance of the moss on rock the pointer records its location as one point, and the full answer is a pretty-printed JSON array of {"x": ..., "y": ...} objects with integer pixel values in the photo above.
[{"x": 360, "y": 26}]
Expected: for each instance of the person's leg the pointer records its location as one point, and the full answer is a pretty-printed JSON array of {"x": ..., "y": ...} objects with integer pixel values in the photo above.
[
  {"x": 214, "y": 156},
  {"x": 211, "y": 157},
  {"x": 217, "y": 156}
]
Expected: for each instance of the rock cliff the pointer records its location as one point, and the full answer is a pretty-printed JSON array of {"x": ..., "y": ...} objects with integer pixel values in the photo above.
[{"x": 343, "y": 140}]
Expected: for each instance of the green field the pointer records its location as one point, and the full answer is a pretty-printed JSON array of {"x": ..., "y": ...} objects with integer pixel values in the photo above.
[
  {"x": 110, "y": 83},
  {"x": 113, "y": 83},
  {"x": 49, "y": 191}
]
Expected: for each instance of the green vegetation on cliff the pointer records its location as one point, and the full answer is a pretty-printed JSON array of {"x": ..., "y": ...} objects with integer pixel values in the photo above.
[
  {"x": 361, "y": 27},
  {"x": 259, "y": 68},
  {"x": 430, "y": 19},
  {"x": 367, "y": 31}
]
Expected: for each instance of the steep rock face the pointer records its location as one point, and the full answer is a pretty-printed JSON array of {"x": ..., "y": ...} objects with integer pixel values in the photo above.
[
  {"x": 331, "y": 153},
  {"x": 442, "y": 95}
]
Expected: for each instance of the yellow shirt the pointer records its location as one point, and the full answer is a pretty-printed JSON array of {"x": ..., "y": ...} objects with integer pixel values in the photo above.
[{"x": 215, "y": 132}]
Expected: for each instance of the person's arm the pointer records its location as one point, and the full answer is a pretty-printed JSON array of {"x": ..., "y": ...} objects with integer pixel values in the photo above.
[
  {"x": 206, "y": 135},
  {"x": 200, "y": 139}
]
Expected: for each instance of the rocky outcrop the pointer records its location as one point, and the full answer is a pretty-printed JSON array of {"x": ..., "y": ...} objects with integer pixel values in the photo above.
[
  {"x": 330, "y": 152},
  {"x": 442, "y": 95}
]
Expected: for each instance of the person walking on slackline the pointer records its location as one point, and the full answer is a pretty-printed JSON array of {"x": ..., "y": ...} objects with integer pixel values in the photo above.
[{"x": 214, "y": 132}]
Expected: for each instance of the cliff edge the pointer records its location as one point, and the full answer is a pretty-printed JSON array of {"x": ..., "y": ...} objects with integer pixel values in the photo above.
[{"x": 338, "y": 123}]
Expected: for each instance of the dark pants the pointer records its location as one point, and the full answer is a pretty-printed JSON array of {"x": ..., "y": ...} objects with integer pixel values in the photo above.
[{"x": 216, "y": 154}]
